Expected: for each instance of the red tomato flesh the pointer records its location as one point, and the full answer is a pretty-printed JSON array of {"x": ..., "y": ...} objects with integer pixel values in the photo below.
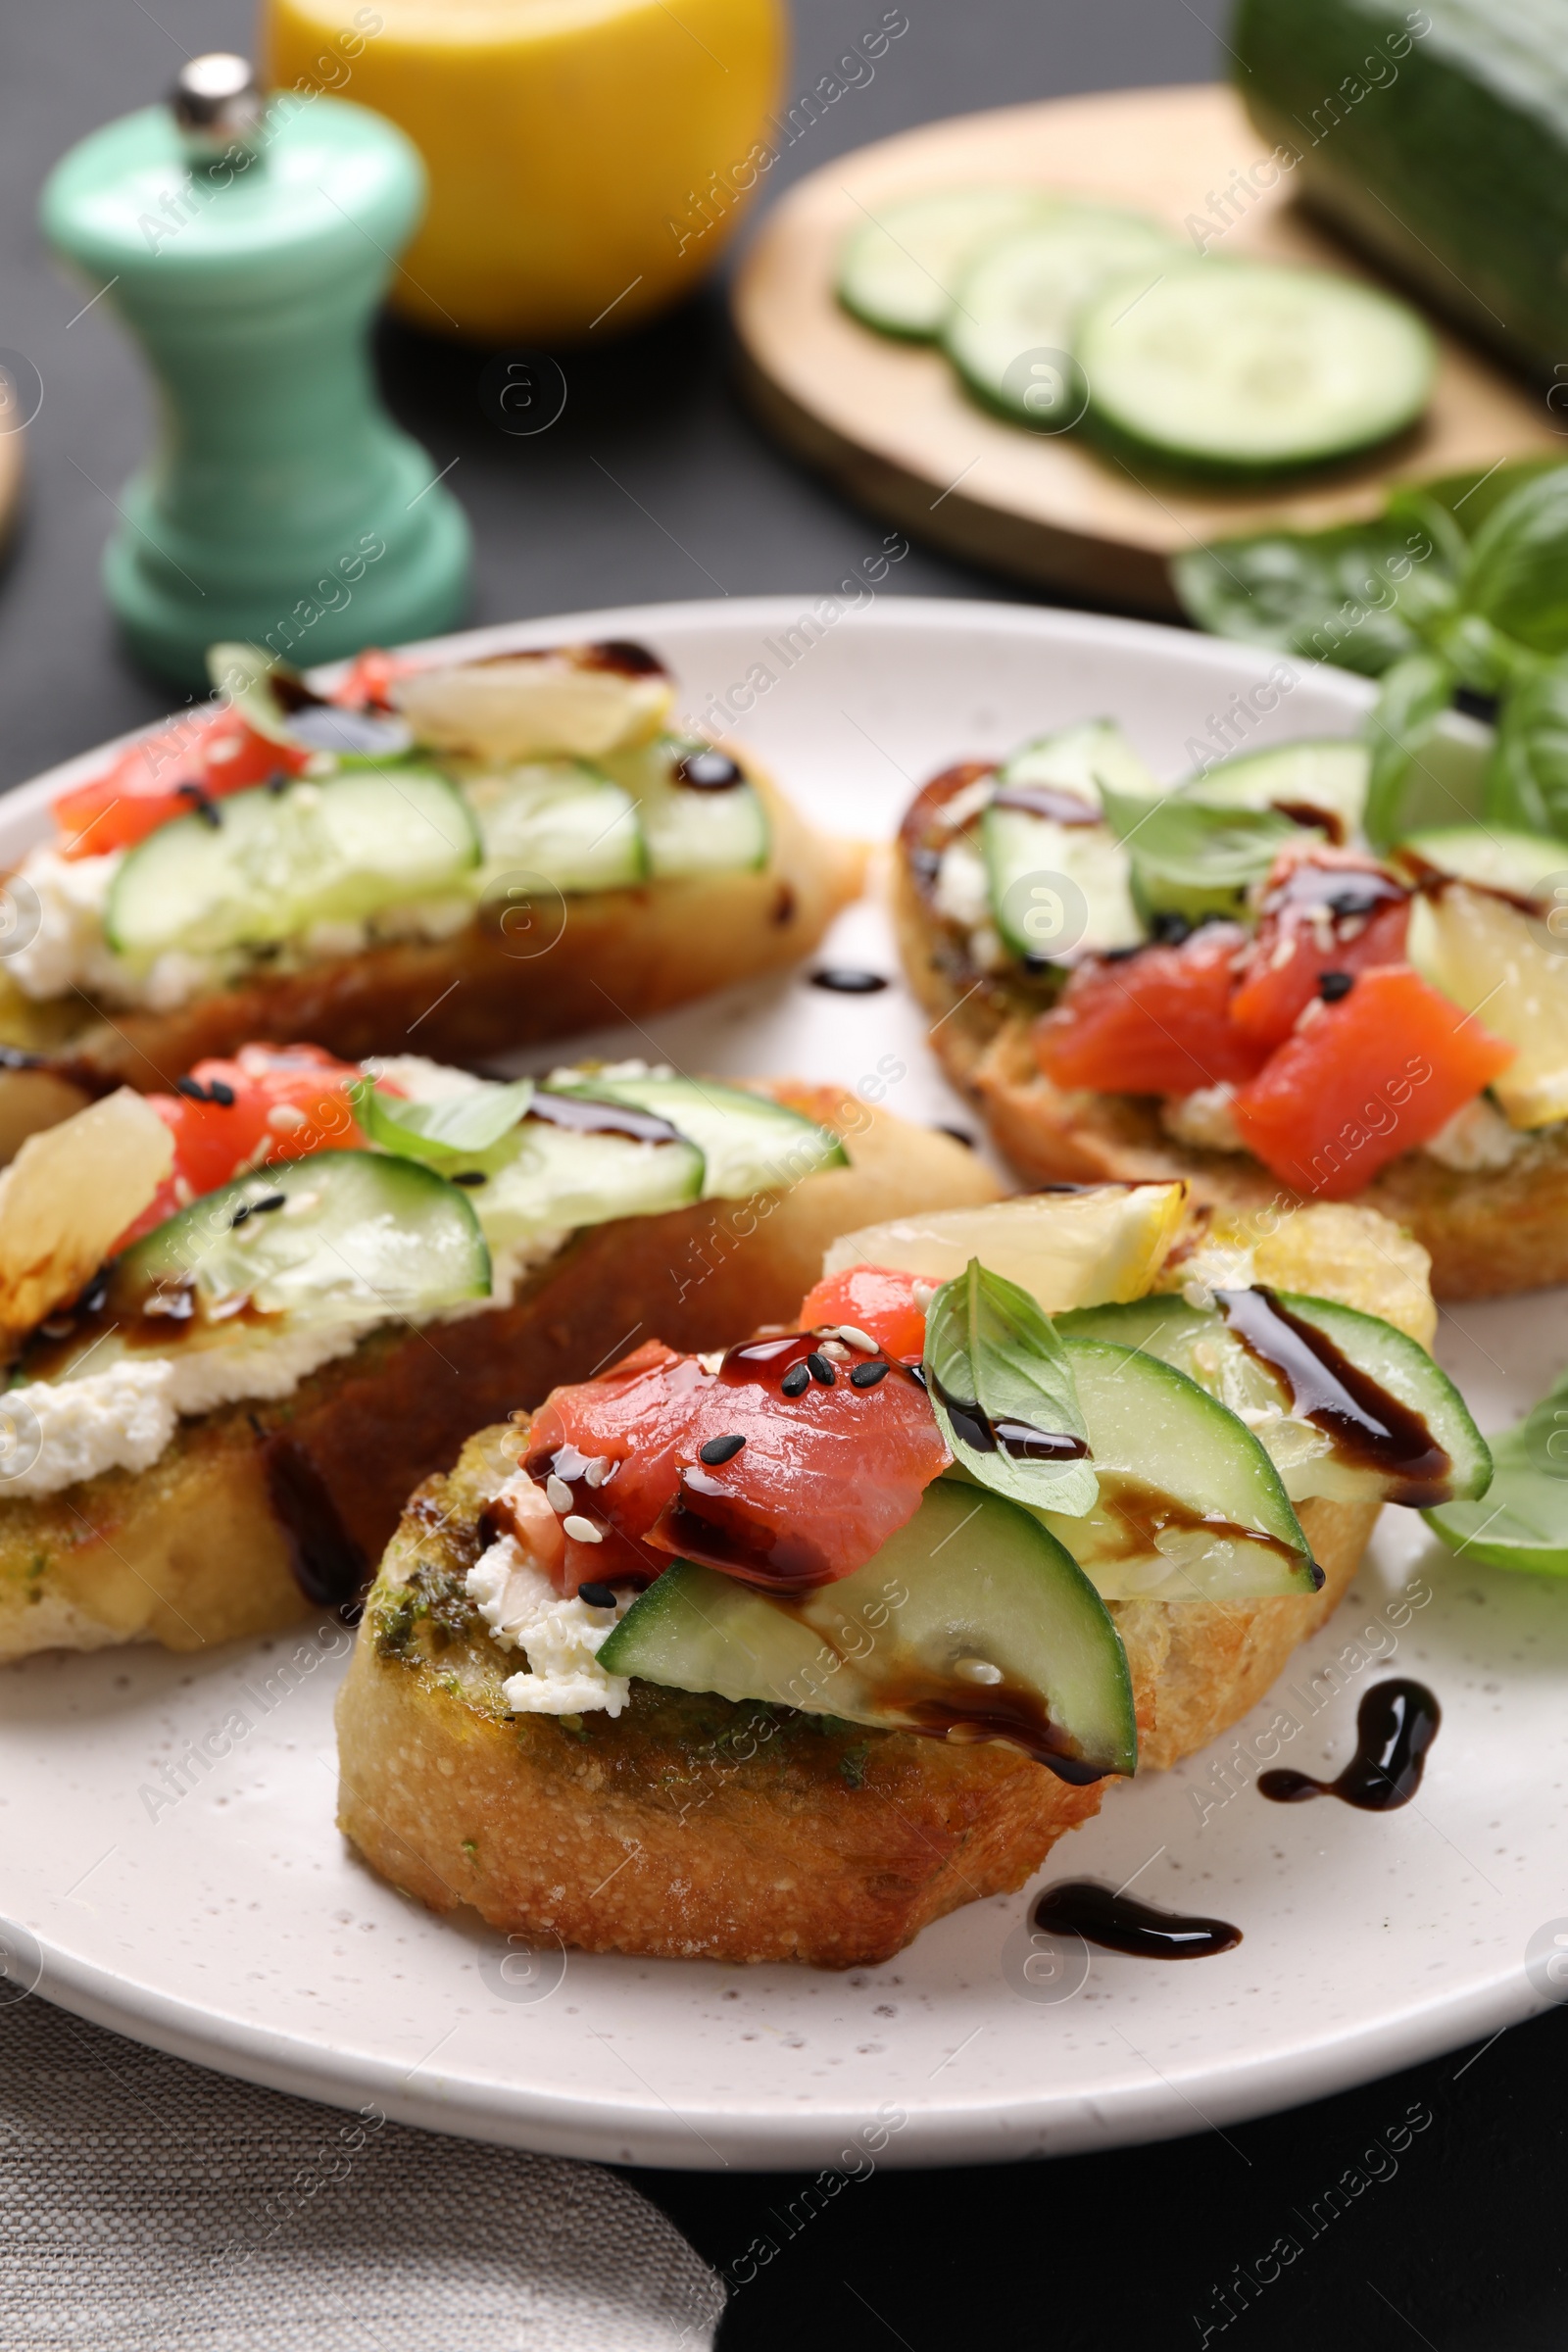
[
  {"x": 876, "y": 1299},
  {"x": 821, "y": 1481},
  {"x": 1363, "y": 1080},
  {"x": 1154, "y": 1023},
  {"x": 1329, "y": 910},
  {"x": 366, "y": 682},
  {"x": 269, "y": 1102},
  {"x": 208, "y": 753}
]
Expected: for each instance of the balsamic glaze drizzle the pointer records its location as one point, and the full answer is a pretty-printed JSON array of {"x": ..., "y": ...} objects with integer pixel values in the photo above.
[
  {"x": 1119, "y": 1923},
  {"x": 1395, "y": 1725}
]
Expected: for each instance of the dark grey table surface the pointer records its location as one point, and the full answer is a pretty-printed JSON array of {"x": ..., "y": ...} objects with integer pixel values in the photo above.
[{"x": 1457, "y": 2243}]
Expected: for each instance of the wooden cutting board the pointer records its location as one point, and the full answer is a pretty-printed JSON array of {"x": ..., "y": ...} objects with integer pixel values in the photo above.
[{"x": 891, "y": 426}]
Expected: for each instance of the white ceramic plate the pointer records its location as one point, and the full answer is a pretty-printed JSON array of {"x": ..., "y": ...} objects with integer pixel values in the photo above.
[{"x": 229, "y": 1923}]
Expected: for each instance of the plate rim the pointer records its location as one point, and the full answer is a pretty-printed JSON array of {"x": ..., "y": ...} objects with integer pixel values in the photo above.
[{"x": 604, "y": 2129}]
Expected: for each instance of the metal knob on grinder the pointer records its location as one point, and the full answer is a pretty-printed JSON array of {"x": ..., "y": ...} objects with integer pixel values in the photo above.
[{"x": 218, "y": 109}]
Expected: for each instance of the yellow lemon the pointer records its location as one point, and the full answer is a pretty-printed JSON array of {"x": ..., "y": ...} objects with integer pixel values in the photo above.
[
  {"x": 588, "y": 159},
  {"x": 1067, "y": 1248}
]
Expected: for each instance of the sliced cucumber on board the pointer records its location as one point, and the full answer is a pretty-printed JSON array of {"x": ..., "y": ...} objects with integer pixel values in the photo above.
[
  {"x": 264, "y": 865},
  {"x": 1021, "y": 296},
  {"x": 1191, "y": 1507},
  {"x": 1199, "y": 1342},
  {"x": 971, "y": 1582},
  {"x": 1244, "y": 368},
  {"x": 545, "y": 1177},
  {"x": 750, "y": 1143},
  {"x": 561, "y": 818},
  {"x": 689, "y": 829},
  {"x": 898, "y": 271},
  {"x": 1329, "y": 777}
]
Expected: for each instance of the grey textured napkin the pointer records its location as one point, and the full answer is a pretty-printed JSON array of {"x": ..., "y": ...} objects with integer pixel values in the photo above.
[{"x": 148, "y": 2206}]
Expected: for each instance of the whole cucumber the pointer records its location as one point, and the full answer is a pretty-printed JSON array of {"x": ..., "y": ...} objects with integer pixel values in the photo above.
[{"x": 1435, "y": 137}]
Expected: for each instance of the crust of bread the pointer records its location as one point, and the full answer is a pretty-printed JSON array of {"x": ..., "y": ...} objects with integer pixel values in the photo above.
[
  {"x": 212, "y": 1542},
  {"x": 474, "y": 996},
  {"x": 1487, "y": 1233},
  {"x": 689, "y": 1827}
]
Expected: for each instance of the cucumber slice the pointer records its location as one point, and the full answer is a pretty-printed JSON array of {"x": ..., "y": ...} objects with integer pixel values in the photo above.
[
  {"x": 1246, "y": 368},
  {"x": 750, "y": 1143},
  {"x": 264, "y": 865},
  {"x": 561, "y": 818},
  {"x": 542, "y": 1178},
  {"x": 1327, "y": 778},
  {"x": 340, "y": 1237},
  {"x": 971, "y": 1577},
  {"x": 1523, "y": 865},
  {"x": 1199, "y": 1343},
  {"x": 1022, "y": 294},
  {"x": 1057, "y": 890},
  {"x": 688, "y": 829},
  {"x": 1191, "y": 1507},
  {"x": 897, "y": 271},
  {"x": 1082, "y": 760}
]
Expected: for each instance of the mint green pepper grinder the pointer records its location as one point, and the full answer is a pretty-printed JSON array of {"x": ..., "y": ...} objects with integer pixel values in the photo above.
[{"x": 247, "y": 244}]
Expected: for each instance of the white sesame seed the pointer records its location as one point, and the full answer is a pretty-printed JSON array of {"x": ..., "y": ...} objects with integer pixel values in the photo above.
[
  {"x": 557, "y": 1493},
  {"x": 835, "y": 1351},
  {"x": 583, "y": 1530},
  {"x": 711, "y": 1361},
  {"x": 973, "y": 1670},
  {"x": 595, "y": 1472},
  {"x": 286, "y": 1118},
  {"x": 858, "y": 1339},
  {"x": 923, "y": 1293}
]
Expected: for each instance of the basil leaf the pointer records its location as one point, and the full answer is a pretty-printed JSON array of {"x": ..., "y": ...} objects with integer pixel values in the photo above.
[
  {"x": 1522, "y": 1519},
  {"x": 1355, "y": 595},
  {"x": 1468, "y": 500},
  {"x": 993, "y": 1363},
  {"x": 1526, "y": 783},
  {"x": 458, "y": 1125},
  {"x": 1517, "y": 575},
  {"x": 1190, "y": 857},
  {"x": 1416, "y": 693}
]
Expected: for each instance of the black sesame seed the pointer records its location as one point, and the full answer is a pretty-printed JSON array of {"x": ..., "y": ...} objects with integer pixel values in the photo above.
[
  {"x": 866, "y": 1375},
  {"x": 1332, "y": 985},
  {"x": 1170, "y": 928},
  {"x": 719, "y": 1449},
  {"x": 470, "y": 1176},
  {"x": 268, "y": 1201},
  {"x": 795, "y": 1380},
  {"x": 191, "y": 1088},
  {"x": 598, "y": 1597},
  {"x": 278, "y": 781},
  {"x": 221, "y": 1093},
  {"x": 707, "y": 770},
  {"x": 240, "y": 1215},
  {"x": 848, "y": 981},
  {"x": 820, "y": 1369},
  {"x": 960, "y": 1134}
]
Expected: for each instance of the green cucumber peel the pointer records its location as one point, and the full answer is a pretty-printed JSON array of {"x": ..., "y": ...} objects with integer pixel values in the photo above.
[
  {"x": 456, "y": 1125},
  {"x": 989, "y": 1344}
]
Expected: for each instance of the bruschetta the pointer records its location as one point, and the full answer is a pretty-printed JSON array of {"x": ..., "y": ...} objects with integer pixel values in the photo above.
[
  {"x": 780, "y": 1653},
  {"x": 242, "y": 1318},
  {"x": 471, "y": 857},
  {"x": 1224, "y": 983}
]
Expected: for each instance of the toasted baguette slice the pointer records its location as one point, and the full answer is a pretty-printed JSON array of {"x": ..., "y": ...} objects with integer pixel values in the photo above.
[
  {"x": 257, "y": 1512},
  {"x": 688, "y": 1827},
  {"x": 475, "y": 995},
  {"x": 1487, "y": 1233},
  {"x": 691, "y": 1827}
]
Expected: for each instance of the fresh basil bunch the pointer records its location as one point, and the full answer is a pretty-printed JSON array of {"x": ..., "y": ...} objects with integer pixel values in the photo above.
[{"x": 1461, "y": 584}]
